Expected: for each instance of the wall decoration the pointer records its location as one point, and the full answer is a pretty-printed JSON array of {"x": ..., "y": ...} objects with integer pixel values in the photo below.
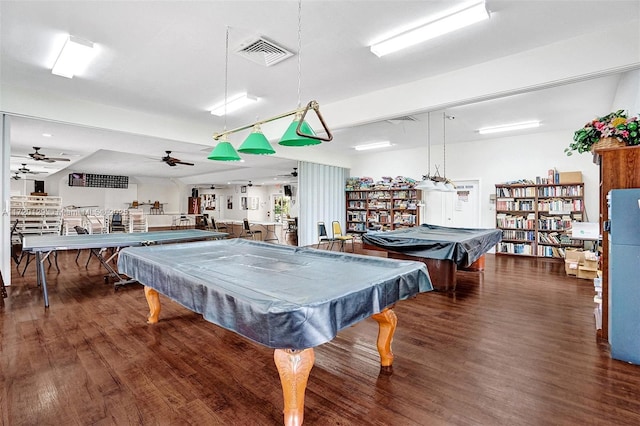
[
  {"x": 229, "y": 202},
  {"x": 98, "y": 181}
]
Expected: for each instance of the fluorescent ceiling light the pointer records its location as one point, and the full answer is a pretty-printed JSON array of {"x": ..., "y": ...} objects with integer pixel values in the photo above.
[
  {"x": 74, "y": 57},
  {"x": 509, "y": 127},
  {"x": 234, "y": 103},
  {"x": 374, "y": 145},
  {"x": 448, "y": 22}
]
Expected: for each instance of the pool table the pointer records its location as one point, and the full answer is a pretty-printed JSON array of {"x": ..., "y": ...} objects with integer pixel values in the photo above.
[
  {"x": 288, "y": 298},
  {"x": 443, "y": 249}
]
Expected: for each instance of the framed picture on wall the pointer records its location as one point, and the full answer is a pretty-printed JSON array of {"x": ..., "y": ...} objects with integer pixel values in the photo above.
[
  {"x": 243, "y": 203},
  {"x": 243, "y": 189},
  {"x": 229, "y": 202}
]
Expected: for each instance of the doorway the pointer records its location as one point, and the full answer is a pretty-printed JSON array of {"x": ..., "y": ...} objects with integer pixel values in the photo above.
[
  {"x": 459, "y": 209},
  {"x": 280, "y": 206},
  {"x": 466, "y": 204}
]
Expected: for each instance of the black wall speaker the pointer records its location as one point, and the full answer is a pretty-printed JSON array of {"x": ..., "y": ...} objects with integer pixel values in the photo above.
[
  {"x": 39, "y": 186},
  {"x": 194, "y": 192},
  {"x": 287, "y": 191}
]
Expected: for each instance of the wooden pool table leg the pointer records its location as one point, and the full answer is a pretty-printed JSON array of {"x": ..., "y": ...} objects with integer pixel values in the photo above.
[
  {"x": 153, "y": 300},
  {"x": 294, "y": 367},
  {"x": 387, "y": 321}
]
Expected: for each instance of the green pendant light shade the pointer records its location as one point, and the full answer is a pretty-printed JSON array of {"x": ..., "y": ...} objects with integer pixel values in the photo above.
[
  {"x": 292, "y": 138},
  {"x": 256, "y": 143},
  {"x": 224, "y": 151}
]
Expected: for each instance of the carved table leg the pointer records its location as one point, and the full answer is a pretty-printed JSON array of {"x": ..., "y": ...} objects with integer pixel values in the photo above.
[
  {"x": 387, "y": 321},
  {"x": 153, "y": 300},
  {"x": 294, "y": 367}
]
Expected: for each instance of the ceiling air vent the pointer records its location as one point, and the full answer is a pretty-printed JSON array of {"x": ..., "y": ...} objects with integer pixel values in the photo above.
[
  {"x": 398, "y": 120},
  {"x": 263, "y": 52}
]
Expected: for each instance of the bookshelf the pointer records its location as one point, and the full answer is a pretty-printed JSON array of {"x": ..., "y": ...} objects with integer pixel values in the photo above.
[
  {"x": 535, "y": 219},
  {"x": 382, "y": 209}
]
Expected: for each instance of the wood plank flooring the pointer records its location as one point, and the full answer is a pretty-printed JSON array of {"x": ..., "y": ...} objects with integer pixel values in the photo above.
[{"x": 515, "y": 345}]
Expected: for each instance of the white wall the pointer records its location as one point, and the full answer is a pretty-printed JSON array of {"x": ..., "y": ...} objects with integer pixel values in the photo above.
[{"x": 492, "y": 161}]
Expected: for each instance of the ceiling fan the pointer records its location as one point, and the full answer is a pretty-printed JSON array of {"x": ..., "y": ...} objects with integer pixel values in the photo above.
[
  {"x": 16, "y": 176},
  {"x": 41, "y": 157},
  {"x": 294, "y": 173},
  {"x": 174, "y": 161},
  {"x": 24, "y": 169}
]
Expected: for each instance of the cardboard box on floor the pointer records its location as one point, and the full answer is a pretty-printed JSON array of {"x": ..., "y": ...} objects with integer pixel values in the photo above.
[
  {"x": 573, "y": 258},
  {"x": 580, "y": 264}
]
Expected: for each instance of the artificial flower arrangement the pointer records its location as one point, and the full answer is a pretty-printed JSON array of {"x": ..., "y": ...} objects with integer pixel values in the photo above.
[{"x": 614, "y": 125}]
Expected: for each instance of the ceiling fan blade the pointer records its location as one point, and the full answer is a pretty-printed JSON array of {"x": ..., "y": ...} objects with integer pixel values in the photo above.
[
  {"x": 52, "y": 159},
  {"x": 183, "y": 162}
]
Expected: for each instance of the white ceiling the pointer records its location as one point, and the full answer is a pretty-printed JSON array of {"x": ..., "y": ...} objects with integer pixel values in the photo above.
[{"x": 167, "y": 59}]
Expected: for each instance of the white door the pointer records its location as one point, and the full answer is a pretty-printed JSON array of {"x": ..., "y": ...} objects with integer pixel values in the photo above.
[
  {"x": 438, "y": 208},
  {"x": 466, "y": 205}
]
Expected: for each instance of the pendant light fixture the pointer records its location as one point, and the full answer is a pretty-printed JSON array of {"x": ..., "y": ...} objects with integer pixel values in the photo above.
[
  {"x": 437, "y": 182},
  {"x": 224, "y": 151},
  {"x": 256, "y": 143},
  {"x": 298, "y": 132}
]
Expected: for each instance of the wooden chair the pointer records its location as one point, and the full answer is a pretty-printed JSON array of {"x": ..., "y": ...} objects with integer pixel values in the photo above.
[
  {"x": 157, "y": 208},
  {"x": 339, "y": 237}
]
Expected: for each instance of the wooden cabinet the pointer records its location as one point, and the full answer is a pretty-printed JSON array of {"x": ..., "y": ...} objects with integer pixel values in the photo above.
[
  {"x": 384, "y": 210},
  {"x": 535, "y": 218},
  {"x": 619, "y": 169}
]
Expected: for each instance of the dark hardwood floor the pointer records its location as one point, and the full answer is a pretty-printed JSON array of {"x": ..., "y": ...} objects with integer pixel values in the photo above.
[{"x": 515, "y": 345}]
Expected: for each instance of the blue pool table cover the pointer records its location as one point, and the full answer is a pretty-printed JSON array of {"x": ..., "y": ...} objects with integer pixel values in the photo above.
[
  {"x": 280, "y": 296},
  {"x": 460, "y": 245}
]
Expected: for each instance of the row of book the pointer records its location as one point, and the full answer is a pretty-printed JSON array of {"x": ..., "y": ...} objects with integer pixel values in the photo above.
[
  {"x": 526, "y": 191},
  {"x": 357, "y": 216},
  {"x": 405, "y": 204},
  {"x": 554, "y": 224},
  {"x": 514, "y": 248},
  {"x": 511, "y": 204},
  {"x": 509, "y": 234},
  {"x": 555, "y": 238},
  {"x": 403, "y": 218},
  {"x": 560, "y": 191},
  {"x": 357, "y": 227},
  {"x": 561, "y": 205},
  {"x": 548, "y": 251},
  {"x": 380, "y": 205},
  {"x": 504, "y": 220}
]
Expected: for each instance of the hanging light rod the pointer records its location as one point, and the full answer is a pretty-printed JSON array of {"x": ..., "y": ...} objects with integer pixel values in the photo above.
[{"x": 312, "y": 105}]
